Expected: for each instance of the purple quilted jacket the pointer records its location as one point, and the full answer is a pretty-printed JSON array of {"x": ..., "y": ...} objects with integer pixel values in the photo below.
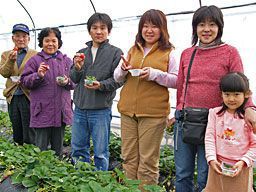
[{"x": 50, "y": 104}]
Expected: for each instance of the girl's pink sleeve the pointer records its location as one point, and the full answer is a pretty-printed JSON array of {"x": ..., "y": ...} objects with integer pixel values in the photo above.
[
  {"x": 210, "y": 137},
  {"x": 250, "y": 156},
  {"x": 167, "y": 79}
]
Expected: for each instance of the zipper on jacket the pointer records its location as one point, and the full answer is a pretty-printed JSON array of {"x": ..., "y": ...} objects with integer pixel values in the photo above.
[{"x": 138, "y": 80}]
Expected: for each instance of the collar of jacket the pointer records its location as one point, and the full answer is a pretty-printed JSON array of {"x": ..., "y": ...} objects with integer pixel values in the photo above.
[
  {"x": 103, "y": 44},
  {"x": 152, "y": 49},
  {"x": 46, "y": 56},
  {"x": 23, "y": 50},
  {"x": 210, "y": 47}
]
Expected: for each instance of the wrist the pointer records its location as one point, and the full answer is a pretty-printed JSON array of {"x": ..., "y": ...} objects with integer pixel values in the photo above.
[
  {"x": 38, "y": 76},
  {"x": 77, "y": 68}
]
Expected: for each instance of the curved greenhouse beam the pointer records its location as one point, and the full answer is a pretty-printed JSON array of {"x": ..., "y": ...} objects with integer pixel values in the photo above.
[
  {"x": 93, "y": 6},
  {"x": 34, "y": 29},
  {"x": 138, "y": 16}
]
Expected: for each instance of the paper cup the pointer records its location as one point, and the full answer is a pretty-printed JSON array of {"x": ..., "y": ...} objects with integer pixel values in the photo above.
[{"x": 15, "y": 79}]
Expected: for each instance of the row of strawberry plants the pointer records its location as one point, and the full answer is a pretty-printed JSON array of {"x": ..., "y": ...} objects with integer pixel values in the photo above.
[
  {"x": 43, "y": 172},
  {"x": 166, "y": 164}
]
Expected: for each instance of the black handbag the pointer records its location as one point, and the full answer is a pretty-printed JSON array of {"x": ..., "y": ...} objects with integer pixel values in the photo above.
[
  {"x": 194, "y": 120},
  {"x": 194, "y": 125}
]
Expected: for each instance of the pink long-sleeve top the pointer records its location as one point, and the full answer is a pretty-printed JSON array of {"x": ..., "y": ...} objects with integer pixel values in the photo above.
[
  {"x": 167, "y": 79},
  {"x": 209, "y": 65},
  {"x": 229, "y": 139}
]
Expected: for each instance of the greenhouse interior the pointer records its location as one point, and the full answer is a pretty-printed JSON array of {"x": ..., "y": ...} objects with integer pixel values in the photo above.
[{"x": 28, "y": 169}]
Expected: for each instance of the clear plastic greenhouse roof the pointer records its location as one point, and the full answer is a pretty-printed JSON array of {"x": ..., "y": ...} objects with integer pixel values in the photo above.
[
  {"x": 71, "y": 17},
  {"x": 49, "y": 13}
]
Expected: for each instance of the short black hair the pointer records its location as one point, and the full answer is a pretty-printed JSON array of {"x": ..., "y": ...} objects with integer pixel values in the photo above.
[
  {"x": 45, "y": 32},
  {"x": 234, "y": 82},
  {"x": 204, "y": 13},
  {"x": 100, "y": 17}
]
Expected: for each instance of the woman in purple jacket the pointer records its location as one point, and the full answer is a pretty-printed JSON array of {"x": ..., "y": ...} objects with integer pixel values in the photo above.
[{"x": 46, "y": 75}]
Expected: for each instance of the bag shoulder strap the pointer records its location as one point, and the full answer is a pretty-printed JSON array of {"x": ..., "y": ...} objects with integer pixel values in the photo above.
[{"x": 188, "y": 75}]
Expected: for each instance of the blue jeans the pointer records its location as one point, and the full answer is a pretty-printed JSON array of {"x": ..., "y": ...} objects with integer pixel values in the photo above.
[
  {"x": 96, "y": 124},
  {"x": 185, "y": 157}
]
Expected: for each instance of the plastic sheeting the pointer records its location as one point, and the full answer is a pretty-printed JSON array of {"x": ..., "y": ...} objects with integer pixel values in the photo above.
[{"x": 71, "y": 16}]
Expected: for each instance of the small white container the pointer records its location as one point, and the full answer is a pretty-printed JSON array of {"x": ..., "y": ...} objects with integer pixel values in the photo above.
[
  {"x": 135, "y": 72},
  {"x": 60, "y": 79},
  {"x": 227, "y": 169},
  {"x": 15, "y": 79},
  {"x": 88, "y": 82}
]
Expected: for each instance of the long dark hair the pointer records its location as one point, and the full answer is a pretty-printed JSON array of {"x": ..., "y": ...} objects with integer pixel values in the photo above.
[
  {"x": 234, "y": 82},
  {"x": 204, "y": 13},
  {"x": 158, "y": 18}
]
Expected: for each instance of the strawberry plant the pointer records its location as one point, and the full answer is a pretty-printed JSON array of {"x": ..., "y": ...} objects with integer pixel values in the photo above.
[
  {"x": 89, "y": 80},
  {"x": 44, "y": 172},
  {"x": 167, "y": 168},
  {"x": 5, "y": 120},
  {"x": 115, "y": 159},
  {"x": 5, "y": 125}
]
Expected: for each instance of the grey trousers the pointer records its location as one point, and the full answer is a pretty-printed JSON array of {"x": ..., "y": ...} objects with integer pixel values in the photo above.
[{"x": 50, "y": 138}]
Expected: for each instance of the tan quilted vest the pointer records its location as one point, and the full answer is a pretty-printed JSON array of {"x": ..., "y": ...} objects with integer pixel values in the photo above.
[{"x": 145, "y": 98}]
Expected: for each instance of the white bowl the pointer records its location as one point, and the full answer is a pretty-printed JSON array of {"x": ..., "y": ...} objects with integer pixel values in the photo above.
[
  {"x": 15, "y": 79},
  {"x": 135, "y": 72},
  {"x": 88, "y": 82},
  {"x": 60, "y": 79}
]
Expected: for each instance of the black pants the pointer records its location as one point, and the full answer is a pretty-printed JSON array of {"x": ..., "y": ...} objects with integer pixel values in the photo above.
[{"x": 19, "y": 114}]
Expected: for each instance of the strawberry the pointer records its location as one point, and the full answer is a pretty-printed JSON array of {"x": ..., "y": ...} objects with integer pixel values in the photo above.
[
  {"x": 15, "y": 48},
  {"x": 82, "y": 56}
]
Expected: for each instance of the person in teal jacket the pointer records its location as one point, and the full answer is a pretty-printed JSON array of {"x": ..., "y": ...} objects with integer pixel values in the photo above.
[{"x": 92, "y": 114}]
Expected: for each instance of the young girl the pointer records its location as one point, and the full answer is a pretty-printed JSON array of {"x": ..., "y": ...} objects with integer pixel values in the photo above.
[
  {"x": 230, "y": 144},
  {"x": 144, "y": 99}
]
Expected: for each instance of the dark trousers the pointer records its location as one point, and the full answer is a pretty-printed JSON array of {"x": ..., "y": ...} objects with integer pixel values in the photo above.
[
  {"x": 50, "y": 135},
  {"x": 19, "y": 114}
]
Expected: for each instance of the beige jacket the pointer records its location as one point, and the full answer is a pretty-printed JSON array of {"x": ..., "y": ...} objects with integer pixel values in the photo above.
[{"x": 10, "y": 68}]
